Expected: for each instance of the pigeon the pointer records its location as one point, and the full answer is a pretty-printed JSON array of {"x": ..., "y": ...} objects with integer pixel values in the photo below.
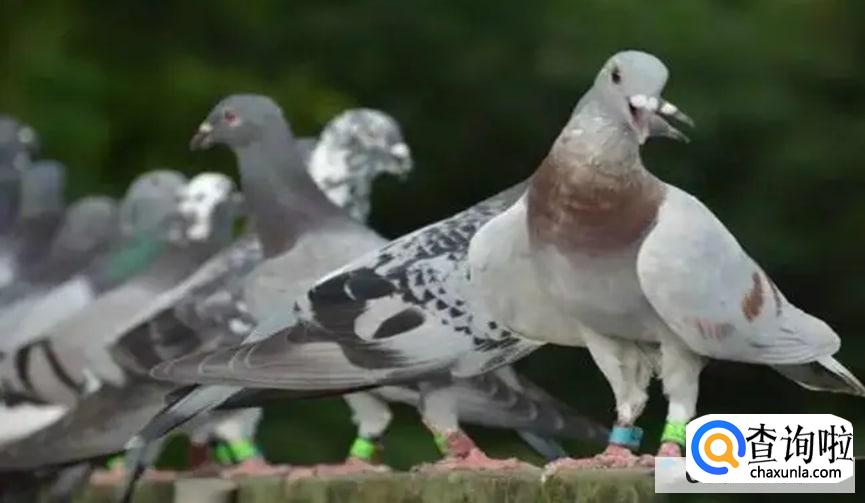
[
  {"x": 18, "y": 144},
  {"x": 89, "y": 227},
  {"x": 353, "y": 149},
  {"x": 39, "y": 212},
  {"x": 38, "y": 331},
  {"x": 640, "y": 271}
]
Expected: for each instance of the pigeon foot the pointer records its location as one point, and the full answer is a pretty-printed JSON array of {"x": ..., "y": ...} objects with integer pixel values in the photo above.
[
  {"x": 614, "y": 456},
  {"x": 670, "y": 450},
  {"x": 351, "y": 466},
  {"x": 253, "y": 467},
  {"x": 474, "y": 460}
]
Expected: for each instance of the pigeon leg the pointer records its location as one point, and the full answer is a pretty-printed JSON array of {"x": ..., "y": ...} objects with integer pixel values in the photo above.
[
  {"x": 439, "y": 410},
  {"x": 372, "y": 417},
  {"x": 236, "y": 448},
  {"x": 680, "y": 371},
  {"x": 628, "y": 368}
]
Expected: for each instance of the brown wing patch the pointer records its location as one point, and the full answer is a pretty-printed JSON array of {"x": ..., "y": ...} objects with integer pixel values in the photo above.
[{"x": 752, "y": 303}]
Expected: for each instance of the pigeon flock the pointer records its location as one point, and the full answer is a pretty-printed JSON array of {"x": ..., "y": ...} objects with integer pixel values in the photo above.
[{"x": 123, "y": 321}]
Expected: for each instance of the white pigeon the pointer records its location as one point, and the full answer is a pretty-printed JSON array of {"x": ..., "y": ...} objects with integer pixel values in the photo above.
[{"x": 625, "y": 263}]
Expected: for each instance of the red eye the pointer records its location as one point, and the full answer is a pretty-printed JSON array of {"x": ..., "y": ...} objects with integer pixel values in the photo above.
[{"x": 229, "y": 116}]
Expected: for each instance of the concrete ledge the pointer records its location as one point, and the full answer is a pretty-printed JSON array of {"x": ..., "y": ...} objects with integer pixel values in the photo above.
[{"x": 518, "y": 486}]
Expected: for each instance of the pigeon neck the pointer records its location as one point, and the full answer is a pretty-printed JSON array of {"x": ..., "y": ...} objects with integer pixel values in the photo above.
[
  {"x": 283, "y": 200},
  {"x": 592, "y": 192},
  {"x": 347, "y": 185}
]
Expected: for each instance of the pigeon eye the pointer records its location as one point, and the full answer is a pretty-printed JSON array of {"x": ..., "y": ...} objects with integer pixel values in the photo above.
[
  {"x": 229, "y": 116},
  {"x": 616, "y": 75}
]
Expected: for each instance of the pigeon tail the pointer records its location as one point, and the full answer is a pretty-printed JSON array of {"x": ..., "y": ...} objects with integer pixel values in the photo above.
[
  {"x": 549, "y": 448},
  {"x": 137, "y": 459},
  {"x": 184, "y": 404},
  {"x": 823, "y": 374},
  {"x": 68, "y": 482}
]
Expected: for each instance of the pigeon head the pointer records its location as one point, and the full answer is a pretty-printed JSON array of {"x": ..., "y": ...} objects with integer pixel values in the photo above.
[
  {"x": 17, "y": 142},
  {"x": 629, "y": 87},
  {"x": 353, "y": 149},
  {"x": 89, "y": 222},
  {"x": 370, "y": 141},
  {"x": 201, "y": 199},
  {"x": 42, "y": 188},
  {"x": 237, "y": 121},
  {"x": 150, "y": 202}
]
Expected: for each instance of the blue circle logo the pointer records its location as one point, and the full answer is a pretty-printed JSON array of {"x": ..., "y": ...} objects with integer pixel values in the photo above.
[{"x": 725, "y": 457}]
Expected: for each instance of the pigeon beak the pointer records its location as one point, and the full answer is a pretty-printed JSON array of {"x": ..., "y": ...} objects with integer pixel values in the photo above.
[
  {"x": 658, "y": 110},
  {"x": 203, "y": 138},
  {"x": 660, "y": 127},
  {"x": 401, "y": 152}
]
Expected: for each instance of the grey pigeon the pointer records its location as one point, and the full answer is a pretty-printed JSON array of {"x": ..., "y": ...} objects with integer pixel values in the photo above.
[
  {"x": 353, "y": 149},
  {"x": 629, "y": 264},
  {"x": 89, "y": 227},
  {"x": 18, "y": 145},
  {"x": 39, "y": 212}
]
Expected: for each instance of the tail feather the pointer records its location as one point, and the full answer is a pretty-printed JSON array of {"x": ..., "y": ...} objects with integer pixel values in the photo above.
[
  {"x": 138, "y": 458},
  {"x": 68, "y": 482},
  {"x": 824, "y": 374},
  {"x": 184, "y": 405},
  {"x": 547, "y": 447},
  {"x": 496, "y": 400}
]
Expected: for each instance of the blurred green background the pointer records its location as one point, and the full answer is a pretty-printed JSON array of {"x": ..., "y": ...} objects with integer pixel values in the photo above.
[{"x": 481, "y": 88}]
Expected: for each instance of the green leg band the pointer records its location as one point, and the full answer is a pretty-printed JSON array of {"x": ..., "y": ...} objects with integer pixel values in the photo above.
[
  {"x": 362, "y": 448},
  {"x": 114, "y": 462},
  {"x": 442, "y": 443},
  {"x": 234, "y": 452},
  {"x": 674, "y": 432}
]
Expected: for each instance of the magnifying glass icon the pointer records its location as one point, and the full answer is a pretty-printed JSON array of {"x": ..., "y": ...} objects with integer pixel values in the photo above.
[{"x": 724, "y": 457}]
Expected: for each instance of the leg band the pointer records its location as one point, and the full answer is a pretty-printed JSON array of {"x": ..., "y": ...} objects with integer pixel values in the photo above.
[
  {"x": 362, "y": 448},
  {"x": 674, "y": 432},
  {"x": 627, "y": 436},
  {"x": 235, "y": 452}
]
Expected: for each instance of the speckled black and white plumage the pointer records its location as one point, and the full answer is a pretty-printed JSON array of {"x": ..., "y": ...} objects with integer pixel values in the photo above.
[{"x": 397, "y": 314}]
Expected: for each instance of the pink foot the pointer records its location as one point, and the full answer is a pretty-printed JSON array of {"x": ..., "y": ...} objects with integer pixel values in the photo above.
[
  {"x": 475, "y": 460},
  {"x": 351, "y": 466},
  {"x": 670, "y": 450},
  {"x": 615, "y": 456},
  {"x": 256, "y": 466}
]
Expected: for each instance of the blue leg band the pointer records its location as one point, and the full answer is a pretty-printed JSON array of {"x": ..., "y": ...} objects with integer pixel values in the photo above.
[{"x": 627, "y": 436}]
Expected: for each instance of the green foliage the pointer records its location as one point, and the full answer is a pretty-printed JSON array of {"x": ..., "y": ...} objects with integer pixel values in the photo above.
[{"x": 482, "y": 88}]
